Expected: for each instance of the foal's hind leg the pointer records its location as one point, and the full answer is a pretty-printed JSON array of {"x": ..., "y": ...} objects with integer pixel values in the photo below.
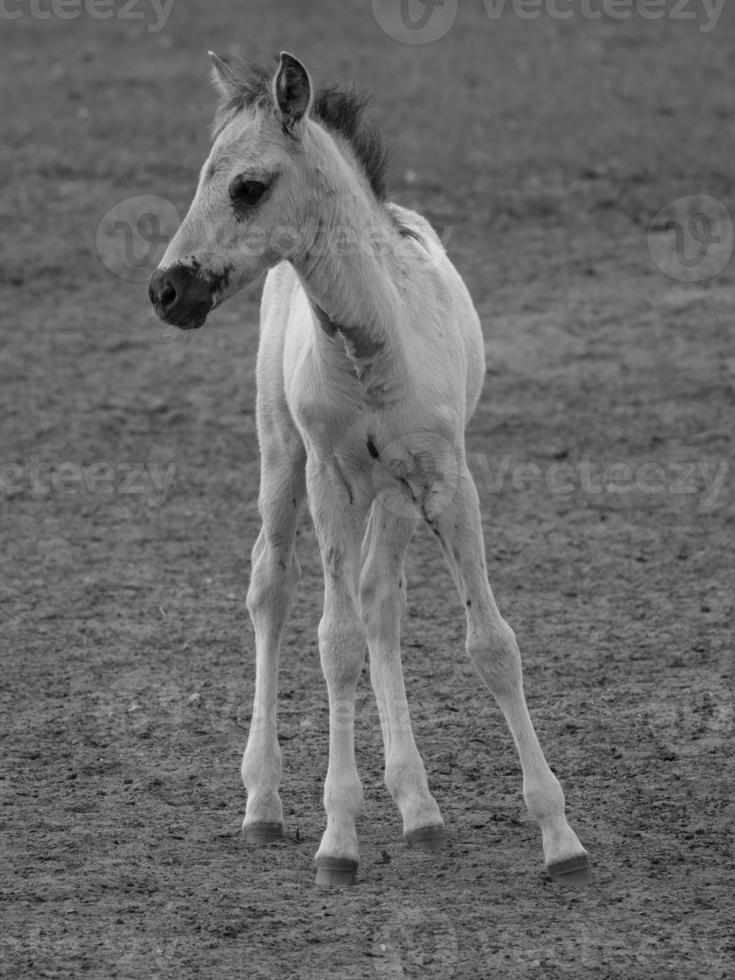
[
  {"x": 492, "y": 647},
  {"x": 383, "y": 600},
  {"x": 274, "y": 577}
]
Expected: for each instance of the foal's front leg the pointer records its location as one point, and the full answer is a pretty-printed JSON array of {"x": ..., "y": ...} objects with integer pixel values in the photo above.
[
  {"x": 274, "y": 577},
  {"x": 338, "y": 519}
]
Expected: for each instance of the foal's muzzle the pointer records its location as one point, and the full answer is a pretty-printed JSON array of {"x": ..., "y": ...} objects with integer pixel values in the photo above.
[{"x": 180, "y": 296}]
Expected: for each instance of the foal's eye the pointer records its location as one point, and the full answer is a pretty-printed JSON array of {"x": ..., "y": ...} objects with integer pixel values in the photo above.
[{"x": 246, "y": 192}]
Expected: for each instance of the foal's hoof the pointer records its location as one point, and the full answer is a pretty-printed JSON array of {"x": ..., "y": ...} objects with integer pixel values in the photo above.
[
  {"x": 262, "y": 833},
  {"x": 336, "y": 871},
  {"x": 429, "y": 838},
  {"x": 574, "y": 872}
]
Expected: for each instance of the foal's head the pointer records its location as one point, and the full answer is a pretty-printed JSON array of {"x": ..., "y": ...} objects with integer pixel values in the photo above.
[{"x": 262, "y": 187}]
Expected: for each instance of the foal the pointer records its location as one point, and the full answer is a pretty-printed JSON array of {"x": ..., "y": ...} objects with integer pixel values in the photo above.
[{"x": 370, "y": 364}]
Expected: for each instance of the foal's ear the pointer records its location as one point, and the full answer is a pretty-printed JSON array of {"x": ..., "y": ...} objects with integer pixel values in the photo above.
[
  {"x": 222, "y": 76},
  {"x": 291, "y": 90}
]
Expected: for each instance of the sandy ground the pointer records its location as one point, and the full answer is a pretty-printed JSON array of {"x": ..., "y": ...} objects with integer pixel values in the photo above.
[{"x": 603, "y": 449}]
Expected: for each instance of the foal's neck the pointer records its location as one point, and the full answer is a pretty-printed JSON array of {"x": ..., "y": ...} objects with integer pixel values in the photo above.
[{"x": 353, "y": 268}]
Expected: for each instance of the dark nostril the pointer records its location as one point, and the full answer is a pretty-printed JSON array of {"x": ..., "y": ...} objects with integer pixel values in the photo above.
[
  {"x": 167, "y": 296},
  {"x": 162, "y": 291}
]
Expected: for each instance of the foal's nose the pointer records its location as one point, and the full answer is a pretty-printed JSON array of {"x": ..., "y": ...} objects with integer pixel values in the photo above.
[
  {"x": 162, "y": 290},
  {"x": 181, "y": 295}
]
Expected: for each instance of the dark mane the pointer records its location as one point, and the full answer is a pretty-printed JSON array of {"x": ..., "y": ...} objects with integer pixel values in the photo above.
[
  {"x": 339, "y": 111},
  {"x": 342, "y": 112}
]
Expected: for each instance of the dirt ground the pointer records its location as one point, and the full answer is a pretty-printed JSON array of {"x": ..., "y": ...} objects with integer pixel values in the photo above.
[{"x": 541, "y": 150}]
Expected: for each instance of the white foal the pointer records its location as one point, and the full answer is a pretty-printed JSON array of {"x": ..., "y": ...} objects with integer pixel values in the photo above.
[{"x": 370, "y": 364}]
